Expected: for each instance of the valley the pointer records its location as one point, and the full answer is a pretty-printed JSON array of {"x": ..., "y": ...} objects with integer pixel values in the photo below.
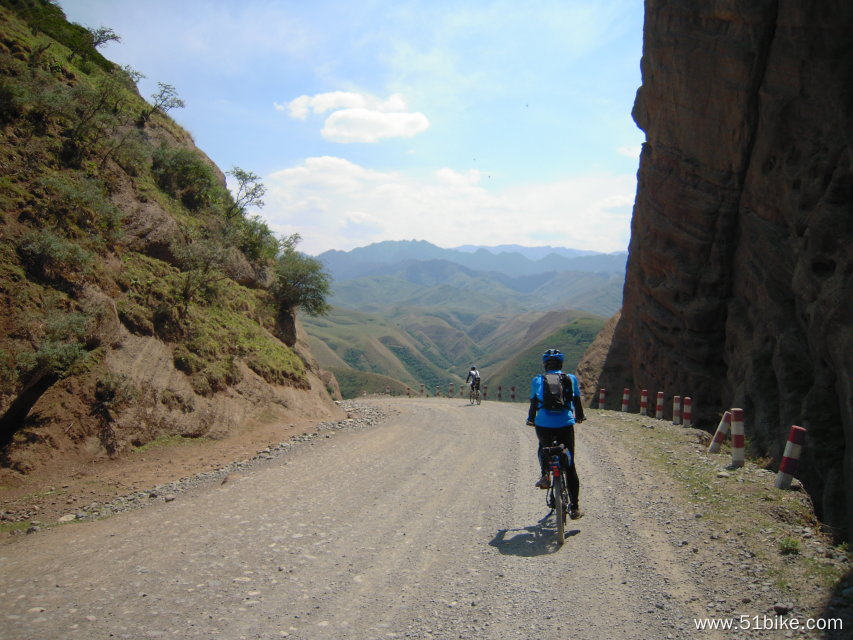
[{"x": 409, "y": 313}]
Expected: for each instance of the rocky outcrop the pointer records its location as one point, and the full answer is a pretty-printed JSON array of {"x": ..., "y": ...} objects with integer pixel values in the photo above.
[{"x": 738, "y": 287}]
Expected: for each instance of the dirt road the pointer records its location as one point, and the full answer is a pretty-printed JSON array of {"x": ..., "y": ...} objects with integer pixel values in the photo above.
[{"x": 425, "y": 526}]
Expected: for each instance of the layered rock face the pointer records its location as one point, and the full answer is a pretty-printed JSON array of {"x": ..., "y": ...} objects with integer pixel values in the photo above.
[{"x": 738, "y": 289}]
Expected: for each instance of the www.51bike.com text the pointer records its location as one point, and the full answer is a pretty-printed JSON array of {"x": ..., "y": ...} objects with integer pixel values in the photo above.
[{"x": 745, "y": 622}]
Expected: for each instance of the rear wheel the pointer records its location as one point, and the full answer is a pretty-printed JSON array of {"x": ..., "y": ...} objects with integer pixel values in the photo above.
[
  {"x": 560, "y": 509},
  {"x": 478, "y": 396}
]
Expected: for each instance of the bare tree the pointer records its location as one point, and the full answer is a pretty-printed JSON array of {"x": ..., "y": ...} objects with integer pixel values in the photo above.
[
  {"x": 250, "y": 190},
  {"x": 163, "y": 101},
  {"x": 103, "y": 35}
]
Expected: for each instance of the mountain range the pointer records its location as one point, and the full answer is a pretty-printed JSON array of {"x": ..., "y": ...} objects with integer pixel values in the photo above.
[
  {"x": 510, "y": 260},
  {"x": 407, "y": 313}
]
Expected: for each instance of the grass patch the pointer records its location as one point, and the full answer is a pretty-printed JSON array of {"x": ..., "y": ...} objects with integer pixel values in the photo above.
[
  {"x": 9, "y": 527},
  {"x": 789, "y": 546},
  {"x": 743, "y": 504},
  {"x": 229, "y": 324}
]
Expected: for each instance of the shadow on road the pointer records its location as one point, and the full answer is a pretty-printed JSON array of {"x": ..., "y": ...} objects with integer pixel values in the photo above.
[{"x": 530, "y": 541}]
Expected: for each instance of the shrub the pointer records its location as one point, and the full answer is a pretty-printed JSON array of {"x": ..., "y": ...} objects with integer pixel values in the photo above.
[
  {"x": 300, "y": 281},
  {"x": 81, "y": 201},
  {"x": 133, "y": 154},
  {"x": 113, "y": 392},
  {"x": 95, "y": 118},
  {"x": 184, "y": 175},
  {"x": 256, "y": 240},
  {"x": 48, "y": 255},
  {"x": 11, "y": 101},
  {"x": 53, "y": 356},
  {"x": 789, "y": 546}
]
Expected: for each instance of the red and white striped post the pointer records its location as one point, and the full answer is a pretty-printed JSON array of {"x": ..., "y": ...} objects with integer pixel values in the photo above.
[
  {"x": 791, "y": 457},
  {"x": 387, "y": 391},
  {"x": 738, "y": 439},
  {"x": 450, "y": 390},
  {"x": 512, "y": 393},
  {"x": 408, "y": 392},
  {"x": 644, "y": 402},
  {"x": 500, "y": 391},
  {"x": 676, "y": 410},
  {"x": 485, "y": 391},
  {"x": 687, "y": 412},
  {"x": 626, "y": 394},
  {"x": 721, "y": 433},
  {"x": 422, "y": 389},
  {"x": 601, "y": 394},
  {"x": 659, "y": 406},
  {"x": 437, "y": 391}
]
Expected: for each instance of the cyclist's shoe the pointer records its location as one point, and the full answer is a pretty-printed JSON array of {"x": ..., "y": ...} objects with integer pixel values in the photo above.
[
  {"x": 575, "y": 513},
  {"x": 544, "y": 482}
]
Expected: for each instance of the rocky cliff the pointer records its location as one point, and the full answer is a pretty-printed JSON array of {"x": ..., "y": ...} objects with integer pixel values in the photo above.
[{"x": 738, "y": 288}]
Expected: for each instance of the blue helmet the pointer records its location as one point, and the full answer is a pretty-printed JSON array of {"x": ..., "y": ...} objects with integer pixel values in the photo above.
[{"x": 552, "y": 356}]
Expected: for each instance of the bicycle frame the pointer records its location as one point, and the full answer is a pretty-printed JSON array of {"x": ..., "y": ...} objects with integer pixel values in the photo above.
[{"x": 557, "y": 498}]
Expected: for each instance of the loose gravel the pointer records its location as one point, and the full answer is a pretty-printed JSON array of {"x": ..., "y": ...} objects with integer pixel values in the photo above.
[{"x": 359, "y": 416}]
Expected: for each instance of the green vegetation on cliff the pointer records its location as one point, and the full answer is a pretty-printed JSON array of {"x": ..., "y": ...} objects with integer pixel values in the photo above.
[{"x": 109, "y": 214}]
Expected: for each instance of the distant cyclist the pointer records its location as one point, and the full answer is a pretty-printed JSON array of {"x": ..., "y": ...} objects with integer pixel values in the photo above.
[
  {"x": 473, "y": 379},
  {"x": 555, "y": 407}
]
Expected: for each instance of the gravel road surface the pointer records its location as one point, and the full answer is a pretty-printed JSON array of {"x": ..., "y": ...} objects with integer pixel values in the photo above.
[{"x": 424, "y": 526}]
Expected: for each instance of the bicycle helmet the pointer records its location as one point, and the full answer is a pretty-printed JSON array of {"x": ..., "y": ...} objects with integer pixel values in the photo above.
[{"x": 552, "y": 359}]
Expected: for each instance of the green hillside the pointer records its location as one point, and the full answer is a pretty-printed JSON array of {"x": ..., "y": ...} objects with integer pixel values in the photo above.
[
  {"x": 117, "y": 232},
  {"x": 435, "y": 346},
  {"x": 355, "y": 383},
  {"x": 346, "y": 340},
  {"x": 572, "y": 339},
  {"x": 458, "y": 288}
]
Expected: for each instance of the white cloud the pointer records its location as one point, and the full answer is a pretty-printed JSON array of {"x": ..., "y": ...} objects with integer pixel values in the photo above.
[
  {"x": 630, "y": 152},
  {"x": 359, "y": 117},
  {"x": 337, "y": 204},
  {"x": 364, "y": 125}
]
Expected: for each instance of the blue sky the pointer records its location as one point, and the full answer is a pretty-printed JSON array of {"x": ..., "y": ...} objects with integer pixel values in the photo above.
[{"x": 453, "y": 122}]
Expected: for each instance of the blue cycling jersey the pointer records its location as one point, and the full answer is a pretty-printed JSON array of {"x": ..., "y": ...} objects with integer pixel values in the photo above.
[{"x": 552, "y": 419}]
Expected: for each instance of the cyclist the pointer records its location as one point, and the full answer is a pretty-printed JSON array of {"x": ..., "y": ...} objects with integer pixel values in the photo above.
[
  {"x": 473, "y": 378},
  {"x": 555, "y": 407}
]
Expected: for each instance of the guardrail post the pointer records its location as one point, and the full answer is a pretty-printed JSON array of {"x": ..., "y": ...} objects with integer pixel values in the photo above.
[
  {"x": 644, "y": 402},
  {"x": 687, "y": 412},
  {"x": 676, "y": 410},
  {"x": 512, "y": 393},
  {"x": 485, "y": 391},
  {"x": 601, "y": 394},
  {"x": 659, "y": 406},
  {"x": 738, "y": 439},
  {"x": 626, "y": 394},
  {"x": 791, "y": 457},
  {"x": 721, "y": 432}
]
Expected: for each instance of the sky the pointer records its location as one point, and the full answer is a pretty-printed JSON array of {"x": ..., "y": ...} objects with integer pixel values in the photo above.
[{"x": 468, "y": 122}]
